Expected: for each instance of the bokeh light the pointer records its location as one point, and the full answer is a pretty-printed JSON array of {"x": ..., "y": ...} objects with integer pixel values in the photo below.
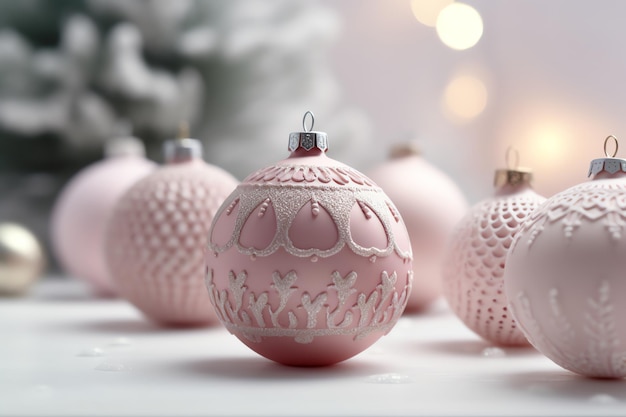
[
  {"x": 427, "y": 11},
  {"x": 547, "y": 142},
  {"x": 545, "y": 147},
  {"x": 548, "y": 145},
  {"x": 465, "y": 97},
  {"x": 459, "y": 26}
]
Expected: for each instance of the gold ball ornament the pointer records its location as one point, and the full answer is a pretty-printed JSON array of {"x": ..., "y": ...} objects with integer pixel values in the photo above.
[{"x": 21, "y": 259}]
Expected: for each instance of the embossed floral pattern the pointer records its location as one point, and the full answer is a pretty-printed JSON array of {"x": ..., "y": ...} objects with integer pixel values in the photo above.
[
  {"x": 603, "y": 354},
  {"x": 376, "y": 311}
]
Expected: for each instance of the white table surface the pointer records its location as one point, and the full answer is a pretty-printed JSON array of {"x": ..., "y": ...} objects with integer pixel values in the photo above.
[{"x": 429, "y": 364}]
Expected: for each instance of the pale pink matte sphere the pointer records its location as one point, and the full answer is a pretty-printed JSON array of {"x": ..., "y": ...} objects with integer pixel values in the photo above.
[
  {"x": 156, "y": 241},
  {"x": 309, "y": 261},
  {"x": 431, "y": 205},
  {"x": 473, "y": 277},
  {"x": 565, "y": 276},
  {"x": 80, "y": 214}
]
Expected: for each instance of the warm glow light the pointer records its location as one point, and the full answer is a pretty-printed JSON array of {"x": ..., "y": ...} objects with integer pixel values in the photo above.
[
  {"x": 556, "y": 139},
  {"x": 546, "y": 144},
  {"x": 465, "y": 97},
  {"x": 459, "y": 26},
  {"x": 427, "y": 11}
]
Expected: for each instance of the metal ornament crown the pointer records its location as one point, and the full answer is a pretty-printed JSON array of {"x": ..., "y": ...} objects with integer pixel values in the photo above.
[
  {"x": 513, "y": 175},
  {"x": 608, "y": 164},
  {"x": 308, "y": 139},
  {"x": 182, "y": 150}
]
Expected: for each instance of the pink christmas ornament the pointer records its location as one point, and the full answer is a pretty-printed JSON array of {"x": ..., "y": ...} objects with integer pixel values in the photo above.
[
  {"x": 473, "y": 283},
  {"x": 79, "y": 215},
  {"x": 158, "y": 233},
  {"x": 565, "y": 274},
  {"x": 431, "y": 205},
  {"x": 309, "y": 261}
]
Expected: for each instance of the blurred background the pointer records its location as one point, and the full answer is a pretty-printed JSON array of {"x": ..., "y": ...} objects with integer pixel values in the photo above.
[{"x": 466, "y": 79}]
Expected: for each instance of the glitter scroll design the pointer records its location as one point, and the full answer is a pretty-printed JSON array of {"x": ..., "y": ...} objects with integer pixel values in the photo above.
[
  {"x": 600, "y": 356},
  {"x": 376, "y": 312},
  {"x": 337, "y": 190},
  {"x": 594, "y": 201}
]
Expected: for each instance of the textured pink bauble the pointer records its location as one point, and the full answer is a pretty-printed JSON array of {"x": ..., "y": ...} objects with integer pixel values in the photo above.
[
  {"x": 431, "y": 205},
  {"x": 565, "y": 275},
  {"x": 473, "y": 276},
  {"x": 157, "y": 236},
  {"x": 81, "y": 211},
  {"x": 309, "y": 261}
]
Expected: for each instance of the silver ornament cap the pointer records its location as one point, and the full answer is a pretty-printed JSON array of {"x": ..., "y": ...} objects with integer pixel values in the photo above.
[
  {"x": 609, "y": 163},
  {"x": 308, "y": 139},
  {"x": 183, "y": 148}
]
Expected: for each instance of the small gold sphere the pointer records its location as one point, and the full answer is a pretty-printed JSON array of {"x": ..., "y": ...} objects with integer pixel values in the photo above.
[{"x": 21, "y": 259}]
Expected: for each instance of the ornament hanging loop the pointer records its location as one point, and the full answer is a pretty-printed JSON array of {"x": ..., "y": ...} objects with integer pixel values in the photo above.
[
  {"x": 308, "y": 139},
  {"x": 513, "y": 175},
  {"x": 308, "y": 113},
  {"x": 609, "y": 164},
  {"x": 183, "y": 130},
  {"x": 606, "y": 142},
  {"x": 512, "y": 158}
]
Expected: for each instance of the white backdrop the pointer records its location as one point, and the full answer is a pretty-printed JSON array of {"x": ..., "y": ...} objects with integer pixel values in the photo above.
[{"x": 554, "y": 73}]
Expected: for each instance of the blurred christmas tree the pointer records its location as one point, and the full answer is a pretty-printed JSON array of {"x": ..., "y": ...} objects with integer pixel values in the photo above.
[{"x": 241, "y": 72}]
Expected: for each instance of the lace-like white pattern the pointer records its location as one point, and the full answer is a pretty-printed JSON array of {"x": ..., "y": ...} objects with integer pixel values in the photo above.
[
  {"x": 592, "y": 201},
  {"x": 474, "y": 269}
]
